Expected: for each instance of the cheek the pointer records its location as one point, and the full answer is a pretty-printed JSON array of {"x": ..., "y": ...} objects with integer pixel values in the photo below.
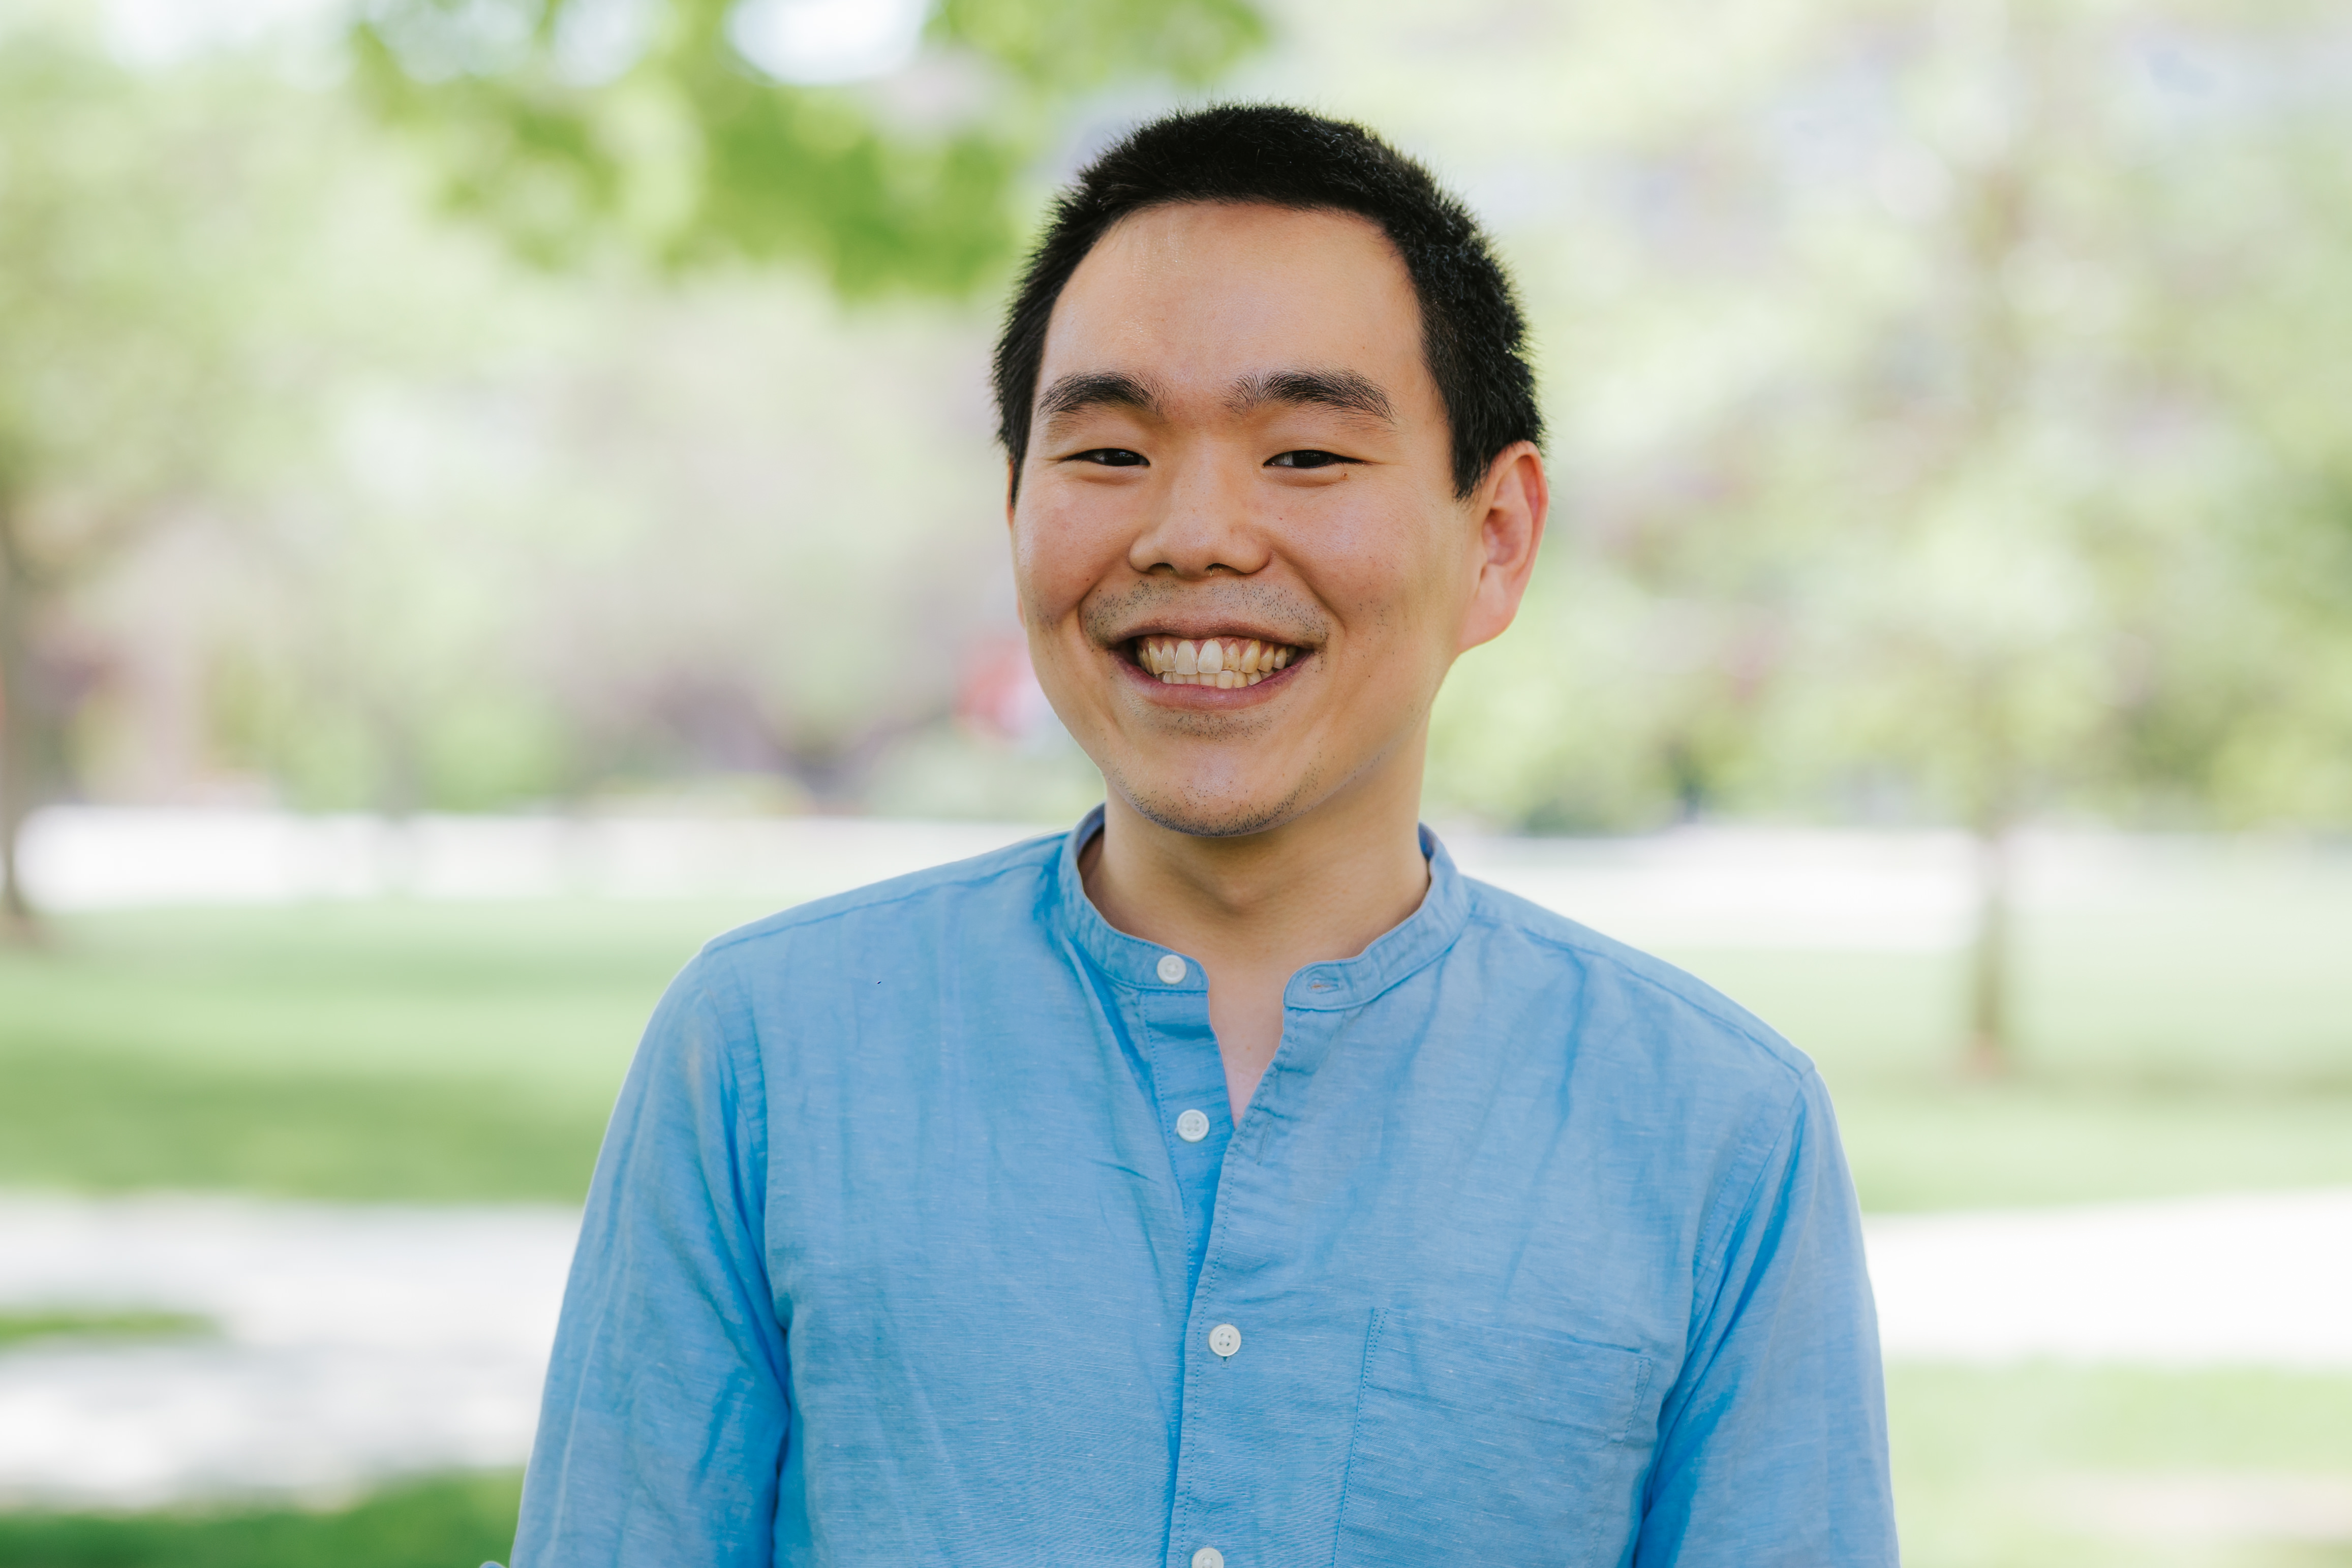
[
  {"x": 1389, "y": 572},
  {"x": 1056, "y": 558}
]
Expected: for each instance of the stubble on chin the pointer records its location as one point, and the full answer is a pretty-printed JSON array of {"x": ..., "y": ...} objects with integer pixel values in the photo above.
[{"x": 1212, "y": 814}]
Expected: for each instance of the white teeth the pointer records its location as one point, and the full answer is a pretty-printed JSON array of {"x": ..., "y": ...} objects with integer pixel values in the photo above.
[{"x": 1223, "y": 663}]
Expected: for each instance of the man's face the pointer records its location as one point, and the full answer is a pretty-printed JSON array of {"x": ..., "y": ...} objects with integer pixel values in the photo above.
[{"x": 1239, "y": 557}]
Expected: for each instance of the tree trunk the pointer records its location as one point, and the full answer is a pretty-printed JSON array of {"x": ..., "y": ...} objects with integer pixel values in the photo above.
[
  {"x": 17, "y": 922},
  {"x": 1989, "y": 1041}
]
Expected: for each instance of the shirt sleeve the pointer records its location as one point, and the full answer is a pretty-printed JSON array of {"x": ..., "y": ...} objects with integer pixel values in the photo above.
[
  {"x": 1773, "y": 1443},
  {"x": 664, "y": 1421}
]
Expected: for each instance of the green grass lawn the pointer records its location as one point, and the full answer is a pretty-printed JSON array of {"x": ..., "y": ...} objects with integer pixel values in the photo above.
[
  {"x": 435, "y": 1051},
  {"x": 56, "y": 1324},
  {"x": 448, "y": 1523},
  {"x": 446, "y": 1053},
  {"x": 2138, "y": 1074},
  {"x": 389, "y": 1050},
  {"x": 2051, "y": 1467}
]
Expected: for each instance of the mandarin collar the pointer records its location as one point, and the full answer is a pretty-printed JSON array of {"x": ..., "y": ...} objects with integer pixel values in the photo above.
[{"x": 1419, "y": 940}]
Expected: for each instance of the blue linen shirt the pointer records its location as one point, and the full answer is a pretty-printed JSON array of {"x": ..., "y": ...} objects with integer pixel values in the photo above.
[{"x": 1535, "y": 1250}]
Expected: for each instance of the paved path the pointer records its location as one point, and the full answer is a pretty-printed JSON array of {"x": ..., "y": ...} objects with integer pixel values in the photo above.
[
  {"x": 360, "y": 1343},
  {"x": 2255, "y": 1279},
  {"x": 354, "y": 1342}
]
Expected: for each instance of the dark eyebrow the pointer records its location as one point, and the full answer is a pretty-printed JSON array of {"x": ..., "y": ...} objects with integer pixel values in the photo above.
[
  {"x": 1343, "y": 389},
  {"x": 1097, "y": 389}
]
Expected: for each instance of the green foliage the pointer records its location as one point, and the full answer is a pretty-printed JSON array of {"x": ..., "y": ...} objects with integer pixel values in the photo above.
[
  {"x": 170, "y": 295},
  {"x": 688, "y": 153},
  {"x": 451, "y": 1523},
  {"x": 1915, "y": 457},
  {"x": 1946, "y": 424},
  {"x": 133, "y": 231},
  {"x": 18, "y": 1327},
  {"x": 121, "y": 264}
]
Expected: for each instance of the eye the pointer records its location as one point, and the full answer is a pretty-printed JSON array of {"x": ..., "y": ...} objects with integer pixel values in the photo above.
[
  {"x": 1110, "y": 457},
  {"x": 1308, "y": 458}
]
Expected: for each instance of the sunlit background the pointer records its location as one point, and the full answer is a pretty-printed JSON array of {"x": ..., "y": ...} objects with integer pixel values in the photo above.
[{"x": 493, "y": 492}]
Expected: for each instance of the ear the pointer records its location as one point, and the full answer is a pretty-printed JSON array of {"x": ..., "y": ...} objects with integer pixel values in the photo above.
[{"x": 1510, "y": 508}]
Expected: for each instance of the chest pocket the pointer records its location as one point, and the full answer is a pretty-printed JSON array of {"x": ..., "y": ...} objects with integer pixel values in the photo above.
[{"x": 1477, "y": 1445}]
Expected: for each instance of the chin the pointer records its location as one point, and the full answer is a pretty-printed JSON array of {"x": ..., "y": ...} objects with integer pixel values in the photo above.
[{"x": 1214, "y": 814}]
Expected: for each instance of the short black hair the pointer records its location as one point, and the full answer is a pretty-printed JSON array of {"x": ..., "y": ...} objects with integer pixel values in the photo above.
[{"x": 1472, "y": 332}]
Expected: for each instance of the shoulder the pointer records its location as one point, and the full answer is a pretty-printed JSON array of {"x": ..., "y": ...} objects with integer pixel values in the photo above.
[
  {"x": 1005, "y": 881},
  {"x": 1642, "y": 1005},
  {"x": 1702, "y": 1097}
]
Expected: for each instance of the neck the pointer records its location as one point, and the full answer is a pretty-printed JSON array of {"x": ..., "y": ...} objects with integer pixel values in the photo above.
[{"x": 1323, "y": 886}]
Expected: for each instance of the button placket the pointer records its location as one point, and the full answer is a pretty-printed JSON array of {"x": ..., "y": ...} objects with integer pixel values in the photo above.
[
  {"x": 1210, "y": 1485},
  {"x": 1172, "y": 1026},
  {"x": 1212, "y": 1489}
]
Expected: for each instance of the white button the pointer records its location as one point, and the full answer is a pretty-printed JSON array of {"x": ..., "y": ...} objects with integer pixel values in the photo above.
[
  {"x": 1191, "y": 1126},
  {"x": 1224, "y": 1339},
  {"x": 1208, "y": 1557},
  {"x": 1172, "y": 970}
]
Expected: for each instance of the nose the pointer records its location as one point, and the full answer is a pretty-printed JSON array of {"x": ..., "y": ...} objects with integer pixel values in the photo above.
[{"x": 1202, "y": 523}]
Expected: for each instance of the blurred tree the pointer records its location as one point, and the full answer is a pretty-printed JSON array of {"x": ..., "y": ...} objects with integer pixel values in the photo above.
[
  {"x": 2038, "y": 588},
  {"x": 692, "y": 129},
  {"x": 129, "y": 244},
  {"x": 1950, "y": 426},
  {"x": 678, "y": 543}
]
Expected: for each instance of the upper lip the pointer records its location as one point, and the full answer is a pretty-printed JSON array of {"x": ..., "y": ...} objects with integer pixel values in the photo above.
[{"x": 1202, "y": 629}]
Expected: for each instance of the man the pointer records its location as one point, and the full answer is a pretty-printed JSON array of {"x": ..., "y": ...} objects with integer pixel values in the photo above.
[{"x": 1229, "y": 1182}]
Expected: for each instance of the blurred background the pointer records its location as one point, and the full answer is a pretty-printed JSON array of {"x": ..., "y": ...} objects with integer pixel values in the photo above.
[{"x": 493, "y": 492}]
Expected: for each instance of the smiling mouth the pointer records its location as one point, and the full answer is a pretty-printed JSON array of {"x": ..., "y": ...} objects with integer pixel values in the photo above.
[{"x": 1222, "y": 662}]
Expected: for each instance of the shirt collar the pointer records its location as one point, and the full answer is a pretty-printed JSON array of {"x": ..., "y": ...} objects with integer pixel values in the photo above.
[{"x": 1422, "y": 938}]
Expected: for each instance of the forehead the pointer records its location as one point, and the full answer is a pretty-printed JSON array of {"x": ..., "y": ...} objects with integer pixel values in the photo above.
[{"x": 1196, "y": 295}]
